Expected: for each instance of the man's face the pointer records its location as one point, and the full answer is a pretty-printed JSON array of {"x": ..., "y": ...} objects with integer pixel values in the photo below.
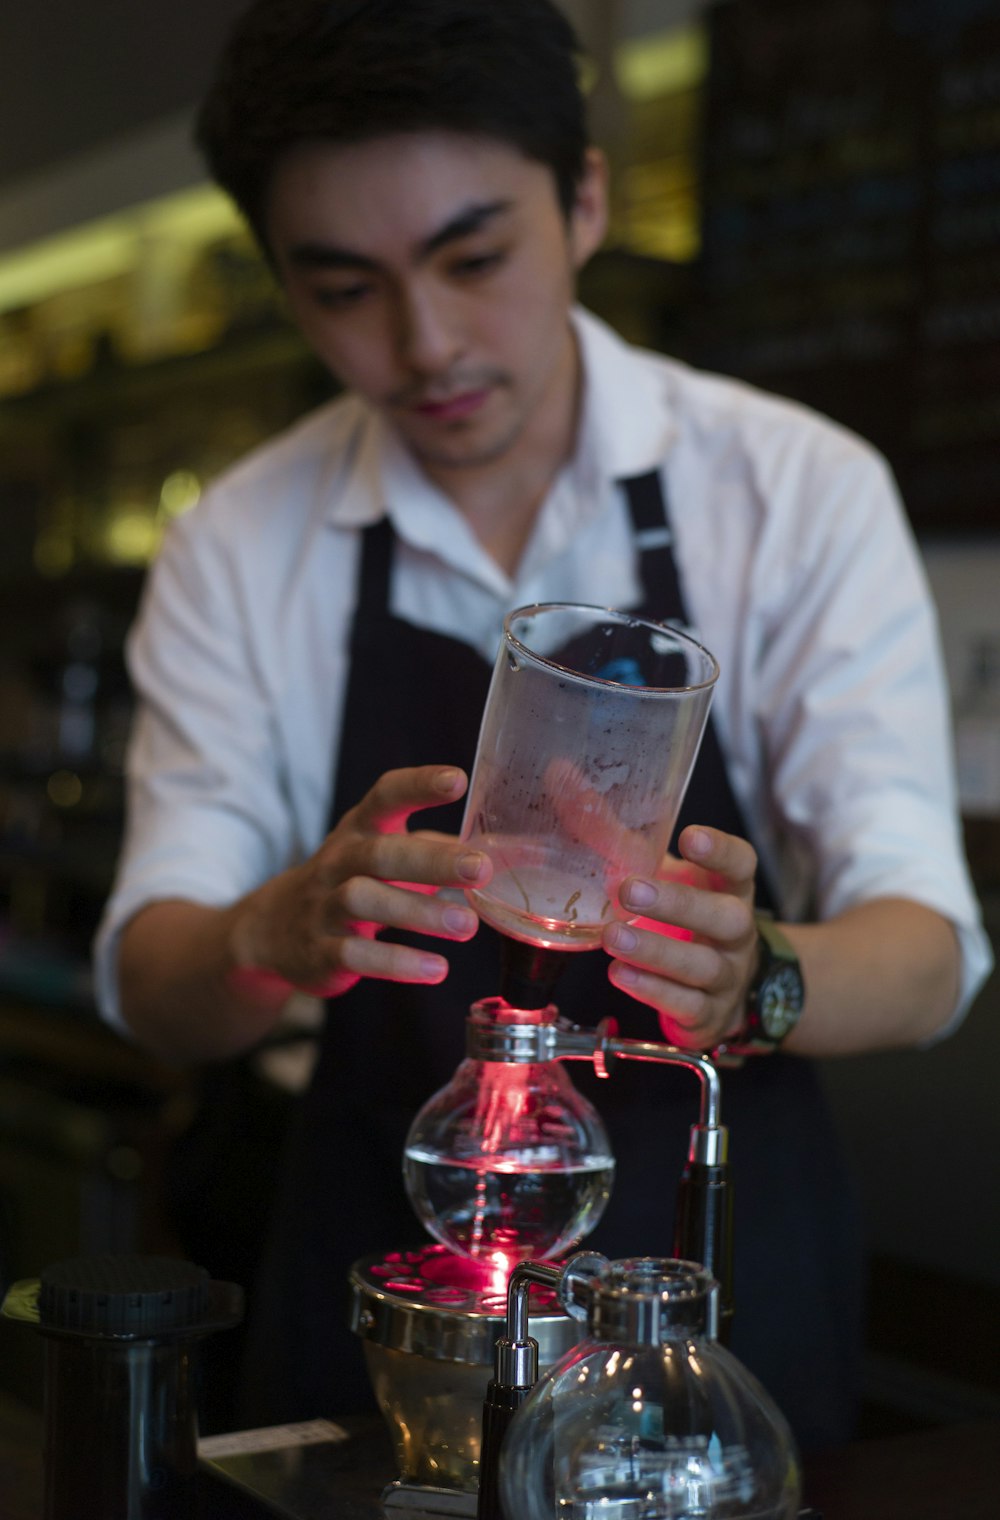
[{"x": 433, "y": 274}]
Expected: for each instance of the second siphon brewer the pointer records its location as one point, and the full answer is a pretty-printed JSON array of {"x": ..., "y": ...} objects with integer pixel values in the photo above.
[{"x": 429, "y": 1318}]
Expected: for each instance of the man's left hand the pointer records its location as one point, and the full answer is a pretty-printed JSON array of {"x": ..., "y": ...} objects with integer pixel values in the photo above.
[{"x": 690, "y": 949}]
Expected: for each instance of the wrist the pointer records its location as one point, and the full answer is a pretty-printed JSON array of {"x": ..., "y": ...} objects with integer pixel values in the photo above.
[
  {"x": 775, "y": 995},
  {"x": 249, "y": 972}
]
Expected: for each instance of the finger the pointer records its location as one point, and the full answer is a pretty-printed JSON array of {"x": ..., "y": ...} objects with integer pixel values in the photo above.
[
  {"x": 700, "y": 1037},
  {"x": 398, "y": 793},
  {"x": 386, "y": 962},
  {"x": 688, "y": 1010},
  {"x": 363, "y": 899},
  {"x": 724, "y": 855},
  {"x": 687, "y": 961},
  {"x": 718, "y": 916},
  {"x": 674, "y": 868},
  {"x": 405, "y": 858}
]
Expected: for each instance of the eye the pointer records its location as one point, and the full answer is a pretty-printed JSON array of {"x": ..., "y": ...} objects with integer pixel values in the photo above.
[
  {"x": 338, "y": 297},
  {"x": 474, "y": 264}
]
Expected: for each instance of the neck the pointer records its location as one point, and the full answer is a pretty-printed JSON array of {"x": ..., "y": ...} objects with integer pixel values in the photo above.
[{"x": 502, "y": 509}]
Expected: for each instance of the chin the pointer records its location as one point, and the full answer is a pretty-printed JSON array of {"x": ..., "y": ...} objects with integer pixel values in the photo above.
[{"x": 462, "y": 453}]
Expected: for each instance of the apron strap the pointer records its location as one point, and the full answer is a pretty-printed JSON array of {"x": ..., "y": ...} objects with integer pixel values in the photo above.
[
  {"x": 710, "y": 795},
  {"x": 653, "y": 539},
  {"x": 377, "y": 542}
]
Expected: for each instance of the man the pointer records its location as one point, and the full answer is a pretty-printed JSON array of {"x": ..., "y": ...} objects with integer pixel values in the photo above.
[{"x": 314, "y": 647}]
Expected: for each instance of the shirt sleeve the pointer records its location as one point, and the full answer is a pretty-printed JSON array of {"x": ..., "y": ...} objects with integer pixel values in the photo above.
[
  {"x": 855, "y": 711},
  {"x": 207, "y": 806}
]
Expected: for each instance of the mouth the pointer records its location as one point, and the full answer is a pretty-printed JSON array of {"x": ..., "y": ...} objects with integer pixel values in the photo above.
[{"x": 453, "y": 408}]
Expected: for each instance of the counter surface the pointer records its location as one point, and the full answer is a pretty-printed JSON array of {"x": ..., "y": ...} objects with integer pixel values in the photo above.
[{"x": 949, "y": 1471}]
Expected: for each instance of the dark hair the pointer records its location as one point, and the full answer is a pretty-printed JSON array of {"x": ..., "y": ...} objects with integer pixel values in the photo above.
[{"x": 349, "y": 70}]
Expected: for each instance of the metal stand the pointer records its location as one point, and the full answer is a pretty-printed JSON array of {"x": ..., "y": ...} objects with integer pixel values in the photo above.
[
  {"x": 702, "y": 1229},
  {"x": 703, "y": 1224}
]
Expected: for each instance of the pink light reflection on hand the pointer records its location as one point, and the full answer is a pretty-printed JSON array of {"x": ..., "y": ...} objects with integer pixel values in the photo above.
[{"x": 669, "y": 931}]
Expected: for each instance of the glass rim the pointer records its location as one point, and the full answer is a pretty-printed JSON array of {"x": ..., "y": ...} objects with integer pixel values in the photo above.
[{"x": 618, "y": 615}]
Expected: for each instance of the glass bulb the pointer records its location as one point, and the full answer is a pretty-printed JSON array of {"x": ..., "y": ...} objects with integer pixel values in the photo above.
[
  {"x": 508, "y": 1160},
  {"x": 667, "y": 1426}
]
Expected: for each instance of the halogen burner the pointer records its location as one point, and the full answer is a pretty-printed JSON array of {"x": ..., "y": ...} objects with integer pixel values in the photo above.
[
  {"x": 428, "y": 1321},
  {"x": 435, "y": 1304}
]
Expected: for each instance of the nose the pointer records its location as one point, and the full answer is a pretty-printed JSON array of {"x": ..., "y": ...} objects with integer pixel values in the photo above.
[{"x": 428, "y": 331}]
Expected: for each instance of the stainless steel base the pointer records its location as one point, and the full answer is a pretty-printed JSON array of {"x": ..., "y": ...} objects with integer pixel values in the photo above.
[{"x": 428, "y": 1321}]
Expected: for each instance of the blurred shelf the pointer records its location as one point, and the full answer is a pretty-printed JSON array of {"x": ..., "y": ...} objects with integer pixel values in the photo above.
[{"x": 272, "y": 348}]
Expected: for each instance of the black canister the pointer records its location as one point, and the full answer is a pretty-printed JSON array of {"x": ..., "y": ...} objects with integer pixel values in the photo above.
[{"x": 121, "y": 1336}]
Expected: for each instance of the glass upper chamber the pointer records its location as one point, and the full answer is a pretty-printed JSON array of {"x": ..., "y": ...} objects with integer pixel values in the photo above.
[{"x": 509, "y": 1160}]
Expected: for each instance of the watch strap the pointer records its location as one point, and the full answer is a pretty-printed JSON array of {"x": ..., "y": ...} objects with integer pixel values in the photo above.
[{"x": 777, "y": 961}]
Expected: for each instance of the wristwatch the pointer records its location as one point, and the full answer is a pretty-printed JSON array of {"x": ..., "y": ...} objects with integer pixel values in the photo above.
[{"x": 774, "y": 998}]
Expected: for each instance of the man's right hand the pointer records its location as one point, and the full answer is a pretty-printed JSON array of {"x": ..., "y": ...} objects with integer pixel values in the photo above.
[{"x": 315, "y": 925}]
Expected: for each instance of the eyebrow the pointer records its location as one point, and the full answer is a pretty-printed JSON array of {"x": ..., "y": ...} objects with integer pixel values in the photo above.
[{"x": 470, "y": 219}]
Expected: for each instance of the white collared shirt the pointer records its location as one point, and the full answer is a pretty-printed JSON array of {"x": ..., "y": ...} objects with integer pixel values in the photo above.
[{"x": 800, "y": 574}]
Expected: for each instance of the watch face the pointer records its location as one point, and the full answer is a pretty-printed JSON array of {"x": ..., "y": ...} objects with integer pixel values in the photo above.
[{"x": 780, "y": 1001}]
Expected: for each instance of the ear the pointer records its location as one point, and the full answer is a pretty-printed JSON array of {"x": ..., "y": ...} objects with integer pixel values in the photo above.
[{"x": 588, "y": 220}]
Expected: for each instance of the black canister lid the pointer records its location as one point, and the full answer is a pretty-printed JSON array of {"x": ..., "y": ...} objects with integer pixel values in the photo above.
[{"x": 132, "y": 1296}]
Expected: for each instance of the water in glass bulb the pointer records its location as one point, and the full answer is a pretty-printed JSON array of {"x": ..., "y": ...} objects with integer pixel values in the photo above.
[{"x": 508, "y": 1160}]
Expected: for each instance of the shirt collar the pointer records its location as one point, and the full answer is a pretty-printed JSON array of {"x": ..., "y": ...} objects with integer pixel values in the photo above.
[{"x": 626, "y": 421}]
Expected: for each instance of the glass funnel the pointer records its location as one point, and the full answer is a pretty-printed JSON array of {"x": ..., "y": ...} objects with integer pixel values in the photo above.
[
  {"x": 648, "y": 1418},
  {"x": 590, "y": 732},
  {"x": 508, "y": 1160}
]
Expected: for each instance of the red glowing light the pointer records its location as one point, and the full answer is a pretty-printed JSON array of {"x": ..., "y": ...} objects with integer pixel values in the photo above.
[
  {"x": 447, "y": 1297},
  {"x": 507, "y": 1107},
  {"x": 669, "y": 931},
  {"x": 503, "y": 1101},
  {"x": 500, "y": 1265}
]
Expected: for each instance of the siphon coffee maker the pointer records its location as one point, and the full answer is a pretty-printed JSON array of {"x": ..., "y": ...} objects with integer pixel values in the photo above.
[
  {"x": 589, "y": 735},
  {"x": 647, "y": 1418}
]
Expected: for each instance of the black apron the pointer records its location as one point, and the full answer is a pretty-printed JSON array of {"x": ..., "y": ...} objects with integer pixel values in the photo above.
[{"x": 416, "y": 697}]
